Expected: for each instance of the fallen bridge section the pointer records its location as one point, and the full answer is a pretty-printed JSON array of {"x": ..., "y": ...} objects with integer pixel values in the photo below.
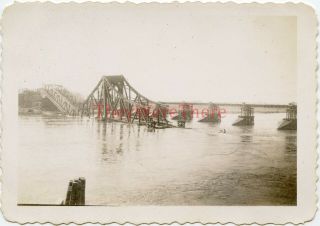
[{"x": 66, "y": 102}]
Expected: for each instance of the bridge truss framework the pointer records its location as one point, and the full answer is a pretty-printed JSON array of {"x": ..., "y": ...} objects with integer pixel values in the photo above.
[{"x": 115, "y": 99}]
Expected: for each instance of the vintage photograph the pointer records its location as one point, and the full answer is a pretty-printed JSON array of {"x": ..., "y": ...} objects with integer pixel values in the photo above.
[{"x": 154, "y": 105}]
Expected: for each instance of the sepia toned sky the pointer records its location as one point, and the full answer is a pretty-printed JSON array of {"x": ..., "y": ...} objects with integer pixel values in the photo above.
[{"x": 167, "y": 53}]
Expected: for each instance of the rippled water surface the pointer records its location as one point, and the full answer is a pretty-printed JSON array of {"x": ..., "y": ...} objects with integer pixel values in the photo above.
[{"x": 127, "y": 165}]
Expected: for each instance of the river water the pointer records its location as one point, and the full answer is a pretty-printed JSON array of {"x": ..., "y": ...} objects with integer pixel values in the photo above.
[{"x": 127, "y": 165}]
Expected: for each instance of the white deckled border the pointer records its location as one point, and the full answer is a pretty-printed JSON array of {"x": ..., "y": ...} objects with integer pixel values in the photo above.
[{"x": 306, "y": 154}]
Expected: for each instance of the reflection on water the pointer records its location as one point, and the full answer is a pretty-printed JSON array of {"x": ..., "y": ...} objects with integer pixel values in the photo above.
[
  {"x": 246, "y": 138},
  {"x": 291, "y": 142},
  {"x": 127, "y": 165}
]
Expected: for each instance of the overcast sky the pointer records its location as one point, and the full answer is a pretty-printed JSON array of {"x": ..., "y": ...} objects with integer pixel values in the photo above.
[{"x": 168, "y": 53}]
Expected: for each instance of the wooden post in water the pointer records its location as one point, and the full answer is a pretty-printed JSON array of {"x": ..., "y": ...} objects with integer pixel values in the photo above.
[
  {"x": 76, "y": 192},
  {"x": 68, "y": 198},
  {"x": 82, "y": 190}
]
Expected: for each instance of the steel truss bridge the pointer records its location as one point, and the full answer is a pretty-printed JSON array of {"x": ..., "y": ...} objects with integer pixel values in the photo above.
[{"x": 115, "y": 99}]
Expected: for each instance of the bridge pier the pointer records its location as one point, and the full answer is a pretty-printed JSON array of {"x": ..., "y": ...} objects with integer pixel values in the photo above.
[
  {"x": 246, "y": 117},
  {"x": 290, "y": 121},
  {"x": 185, "y": 112},
  {"x": 214, "y": 114}
]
